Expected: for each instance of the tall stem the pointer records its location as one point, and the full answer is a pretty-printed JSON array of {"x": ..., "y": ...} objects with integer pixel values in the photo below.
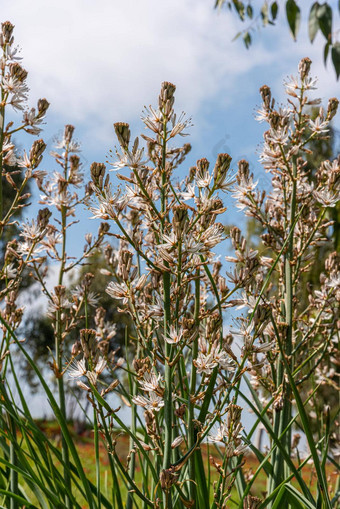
[
  {"x": 2, "y": 124},
  {"x": 283, "y": 416},
  {"x": 191, "y": 415},
  {"x": 167, "y": 318},
  {"x": 132, "y": 464},
  {"x": 58, "y": 346}
]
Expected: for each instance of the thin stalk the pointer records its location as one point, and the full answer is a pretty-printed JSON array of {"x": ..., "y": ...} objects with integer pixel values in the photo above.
[
  {"x": 132, "y": 464},
  {"x": 282, "y": 416},
  {"x": 191, "y": 408},
  {"x": 58, "y": 348},
  {"x": 167, "y": 321},
  {"x": 305, "y": 425},
  {"x": 2, "y": 124}
]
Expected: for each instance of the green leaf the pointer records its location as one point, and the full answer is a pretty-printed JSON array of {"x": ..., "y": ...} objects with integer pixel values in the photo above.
[
  {"x": 236, "y": 36},
  {"x": 249, "y": 11},
  {"x": 325, "y": 52},
  {"x": 313, "y": 21},
  {"x": 298, "y": 498},
  {"x": 293, "y": 17},
  {"x": 239, "y": 6},
  {"x": 247, "y": 39},
  {"x": 336, "y": 58},
  {"x": 325, "y": 15},
  {"x": 274, "y": 9}
]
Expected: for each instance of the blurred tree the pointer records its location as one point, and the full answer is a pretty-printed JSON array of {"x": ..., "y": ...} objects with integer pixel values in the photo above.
[
  {"x": 266, "y": 13},
  {"x": 12, "y": 230}
]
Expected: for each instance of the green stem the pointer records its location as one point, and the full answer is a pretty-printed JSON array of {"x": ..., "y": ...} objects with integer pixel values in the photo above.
[
  {"x": 58, "y": 347},
  {"x": 132, "y": 464},
  {"x": 191, "y": 407},
  {"x": 167, "y": 321},
  {"x": 2, "y": 124}
]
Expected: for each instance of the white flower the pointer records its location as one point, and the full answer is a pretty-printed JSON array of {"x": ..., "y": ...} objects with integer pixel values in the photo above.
[
  {"x": 203, "y": 178},
  {"x": 326, "y": 197},
  {"x": 205, "y": 363},
  {"x": 212, "y": 235},
  {"x": 100, "y": 366},
  {"x": 243, "y": 188},
  {"x": 154, "y": 402},
  {"x": 118, "y": 291},
  {"x": 9, "y": 271},
  {"x": 189, "y": 194},
  {"x": 278, "y": 136},
  {"x": 150, "y": 382},
  {"x": 180, "y": 125},
  {"x": 153, "y": 119},
  {"x": 319, "y": 126},
  {"x": 174, "y": 336},
  {"x": 131, "y": 159},
  {"x": 77, "y": 369},
  {"x": 220, "y": 434},
  {"x": 334, "y": 281},
  {"x": 223, "y": 359}
]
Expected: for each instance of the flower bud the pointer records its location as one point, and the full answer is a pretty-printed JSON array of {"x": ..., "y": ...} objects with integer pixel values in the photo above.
[
  {"x": 167, "y": 478},
  {"x": 243, "y": 171},
  {"x": 332, "y": 108},
  {"x": 43, "y": 106},
  {"x": 266, "y": 96},
  {"x": 304, "y": 67},
  {"x": 43, "y": 217},
  {"x": 125, "y": 262},
  {"x": 251, "y": 502},
  {"x": 178, "y": 440},
  {"x": 18, "y": 72},
  {"x": 296, "y": 440},
  {"x": 98, "y": 174},
  {"x": 180, "y": 217},
  {"x": 7, "y": 30},
  {"x": 76, "y": 349},
  {"x": 123, "y": 133},
  {"x": 36, "y": 152},
  {"x": 234, "y": 415},
  {"x": 166, "y": 96},
  {"x": 221, "y": 167},
  {"x": 68, "y": 133},
  {"x": 88, "y": 342},
  {"x": 103, "y": 228},
  {"x": 203, "y": 165}
]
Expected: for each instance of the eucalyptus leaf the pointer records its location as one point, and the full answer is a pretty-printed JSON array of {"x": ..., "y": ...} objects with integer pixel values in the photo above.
[
  {"x": 325, "y": 18},
  {"x": 293, "y": 17},
  {"x": 313, "y": 21},
  {"x": 274, "y": 9},
  {"x": 336, "y": 58}
]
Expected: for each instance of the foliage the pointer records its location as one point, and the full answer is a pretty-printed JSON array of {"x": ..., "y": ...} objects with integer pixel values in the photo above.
[{"x": 320, "y": 20}]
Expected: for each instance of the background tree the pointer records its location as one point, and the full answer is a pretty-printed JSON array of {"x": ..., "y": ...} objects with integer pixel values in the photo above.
[{"x": 320, "y": 20}]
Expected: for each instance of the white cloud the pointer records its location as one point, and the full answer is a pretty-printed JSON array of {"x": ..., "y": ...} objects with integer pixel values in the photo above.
[
  {"x": 107, "y": 58},
  {"x": 100, "y": 62}
]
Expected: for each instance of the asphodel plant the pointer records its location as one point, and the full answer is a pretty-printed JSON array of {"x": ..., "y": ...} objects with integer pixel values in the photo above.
[{"x": 185, "y": 372}]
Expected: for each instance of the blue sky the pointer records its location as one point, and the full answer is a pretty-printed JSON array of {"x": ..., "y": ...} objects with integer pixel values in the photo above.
[{"x": 101, "y": 62}]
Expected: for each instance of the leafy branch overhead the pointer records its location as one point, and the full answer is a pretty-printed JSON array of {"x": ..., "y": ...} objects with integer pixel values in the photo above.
[{"x": 320, "y": 19}]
